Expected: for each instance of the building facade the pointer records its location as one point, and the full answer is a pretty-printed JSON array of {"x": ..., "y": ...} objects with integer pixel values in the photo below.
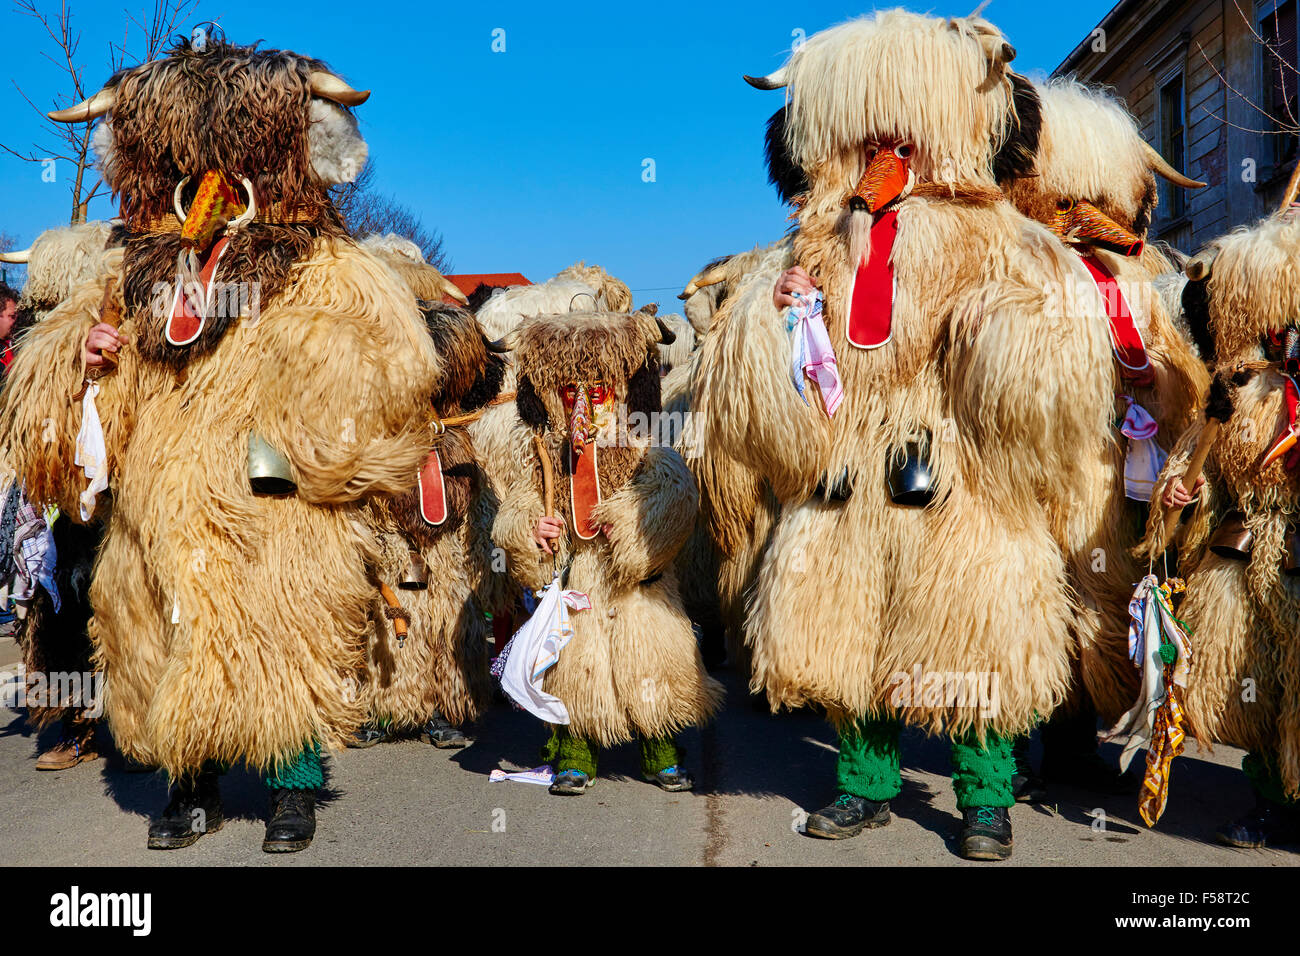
[{"x": 1213, "y": 86}]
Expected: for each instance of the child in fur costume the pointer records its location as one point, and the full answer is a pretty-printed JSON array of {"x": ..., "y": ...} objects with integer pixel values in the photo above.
[
  {"x": 1239, "y": 550},
  {"x": 621, "y": 511},
  {"x": 1094, "y": 186},
  {"x": 960, "y": 394},
  {"x": 435, "y": 562},
  {"x": 54, "y": 640},
  {"x": 229, "y": 623}
]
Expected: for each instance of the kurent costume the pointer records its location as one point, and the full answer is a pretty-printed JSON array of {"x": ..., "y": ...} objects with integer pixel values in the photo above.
[
  {"x": 720, "y": 562},
  {"x": 919, "y": 425},
  {"x": 52, "y": 635},
  {"x": 427, "y": 666},
  {"x": 229, "y": 623},
  {"x": 1239, "y": 551},
  {"x": 1094, "y": 186},
  {"x": 632, "y": 667}
]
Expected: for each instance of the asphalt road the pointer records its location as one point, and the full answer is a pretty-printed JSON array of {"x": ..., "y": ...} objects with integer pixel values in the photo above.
[{"x": 407, "y": 803}]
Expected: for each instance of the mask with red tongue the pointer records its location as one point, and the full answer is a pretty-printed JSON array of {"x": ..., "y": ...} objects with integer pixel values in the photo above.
[
  {"x": 888, "y": 179},
  {"x": 1082, "y": 224},
  {"x": 587, "y": 407}
]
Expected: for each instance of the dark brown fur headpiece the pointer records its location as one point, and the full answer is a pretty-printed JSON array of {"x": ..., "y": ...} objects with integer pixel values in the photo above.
[
  {"x": 236, "y": 109},
  {"x": 552, "y": 350}
]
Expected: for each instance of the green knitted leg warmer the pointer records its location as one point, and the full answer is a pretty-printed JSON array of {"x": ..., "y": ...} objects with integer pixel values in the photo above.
[
  {"x": 568, "y": 752},
  {"x": 301, "y": 772},
  {"x": 1261, "y": 771},
  {"x": 659, "y": 754},
  {"x": 868, "y": 764},
  {"x": 981, "y": 776}
]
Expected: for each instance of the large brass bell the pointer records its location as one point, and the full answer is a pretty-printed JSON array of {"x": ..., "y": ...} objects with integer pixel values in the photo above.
[
  {"x": 910, "y": 480},
  {"x": 416, "y": 575},
  {"x": 1232, "y": 539},
  {"x": 268, "y": 470}
]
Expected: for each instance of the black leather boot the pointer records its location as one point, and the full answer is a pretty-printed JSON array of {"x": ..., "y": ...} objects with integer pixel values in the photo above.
[
  {"x": 439, "y": 732},
  {"x": 292, "y": 823},
  {"x": 1269, "y": 824},
  {"x": 985, "y": 833},
  {"x": 847, "y": 817},
  {"x": 194, "y": 809}
]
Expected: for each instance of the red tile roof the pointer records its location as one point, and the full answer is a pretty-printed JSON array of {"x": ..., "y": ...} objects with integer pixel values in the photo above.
[{"x": 468, "y": 282}]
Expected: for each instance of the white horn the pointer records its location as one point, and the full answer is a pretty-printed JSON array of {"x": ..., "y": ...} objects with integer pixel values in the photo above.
[
  {"x": 1161, "y": 166},
  {"x": 176, "y": 199},
  {"x": 87, "y": 110},
  {"x": 249, "y": 214},
  {"x": 19, "y": 258},
  {"x": 703, "y": 280},
  {"x": 773, "y": 81},
  {"x": 330, "y": 87}
]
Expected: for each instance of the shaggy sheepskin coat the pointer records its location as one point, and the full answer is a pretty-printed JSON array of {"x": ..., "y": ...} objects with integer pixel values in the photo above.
[
  {"x": 1090, "y": 151},
  {"x": 58, "y": 262},
  {"x": 442, "y": 665},
  {"x": 632, "y": 666},
  {"x": 854, "y": 597},
  {"x": 1244, "y": 685},
  {"x": 229, "y": 625}
]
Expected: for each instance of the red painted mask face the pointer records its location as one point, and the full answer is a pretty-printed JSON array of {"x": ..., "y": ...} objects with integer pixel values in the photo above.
[{"x": 587, "y": 407}]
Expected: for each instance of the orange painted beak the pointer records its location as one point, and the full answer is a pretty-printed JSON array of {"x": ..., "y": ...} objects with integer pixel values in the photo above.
[
  {"x": 1284, "y": 444},
  {"x": 884, "y": 181},
  {"x": 1082, "y": 222}
]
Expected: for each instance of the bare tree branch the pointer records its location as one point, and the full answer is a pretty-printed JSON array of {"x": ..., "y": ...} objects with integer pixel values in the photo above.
[{"x": 74, "y": 141}]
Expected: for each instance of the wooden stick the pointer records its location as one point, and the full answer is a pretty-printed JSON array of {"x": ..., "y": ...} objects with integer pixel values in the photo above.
[
  {"x": 1291, "y": 188},
  {"x": 399, "y": 623},
  {"x": 548, "y": 476},
  {"x": 1194, "y": 467}
]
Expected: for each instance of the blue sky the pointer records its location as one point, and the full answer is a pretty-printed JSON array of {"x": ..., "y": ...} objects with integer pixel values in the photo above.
[{"x": 529, "y": 159}]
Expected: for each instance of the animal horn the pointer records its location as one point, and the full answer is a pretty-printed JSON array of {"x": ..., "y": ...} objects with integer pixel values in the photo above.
[
  {"x": 1161, "y": 166},
  {"x": 86, "y": 110},
  {"x": 504, "y": 344},
  {"x": 451, "y": 290},
  {"x": 773, "y": 81},
  {"x": 1199, "y": 266},
  {"x": 328, "y": 86},
  {"x": 19, "y": 258},
  {"x": 704, "y": 279},
  {"x": 666, "y": 335}
]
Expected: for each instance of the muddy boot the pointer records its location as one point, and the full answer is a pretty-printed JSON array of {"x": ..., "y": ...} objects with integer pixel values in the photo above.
[
  {"x": 985, "y": 833},
  {"x": 293, "y": 821},
  {"x": 847, "y": 817},
  {"x": 194, "y": 809},
  {"x": 77, "y": 743},
  {"x": 1268, "y": 824},
  {"x": 439, "y": 732}
]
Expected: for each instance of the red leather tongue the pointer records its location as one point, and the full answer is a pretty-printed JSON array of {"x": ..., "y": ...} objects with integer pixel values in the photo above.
[
  {"x": 433, "y": 493},
  {"x": 186, "y": 321},
  {"x": 871, "y": 307},
  {"x": 1125, "y": 339},
  {"x": 584, "y": 488}
]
